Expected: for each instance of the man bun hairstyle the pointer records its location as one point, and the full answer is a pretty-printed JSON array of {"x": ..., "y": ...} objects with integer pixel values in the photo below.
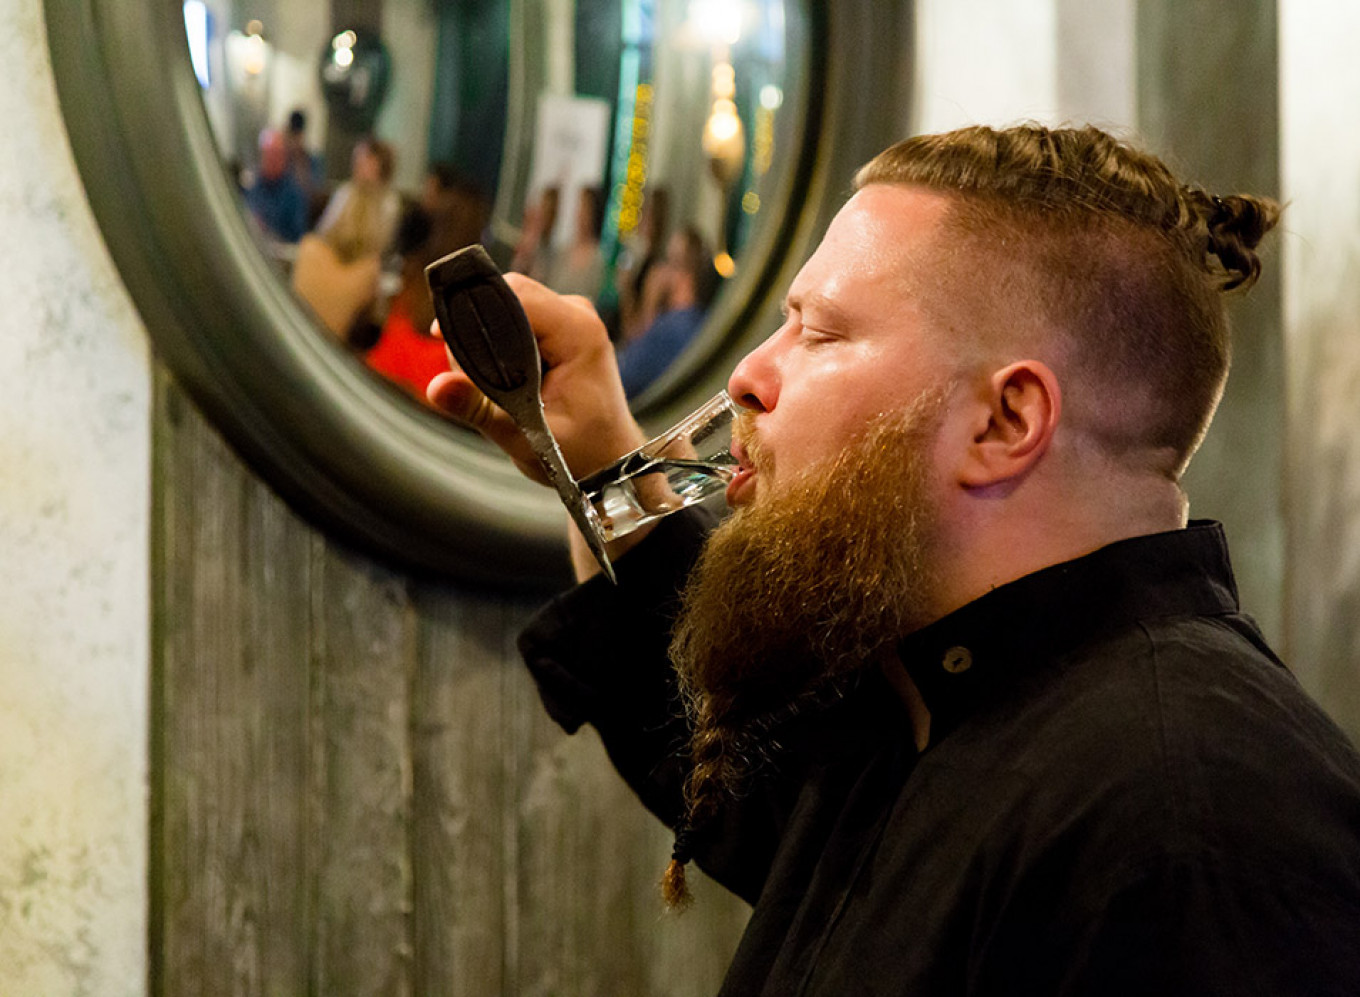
[
  {"x": 1234, "y": 227},
  {"x": 1079, "y": 234}
]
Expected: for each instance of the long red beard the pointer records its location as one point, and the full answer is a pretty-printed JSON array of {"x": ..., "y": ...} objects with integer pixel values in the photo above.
[{"x": 806, "y": 585}]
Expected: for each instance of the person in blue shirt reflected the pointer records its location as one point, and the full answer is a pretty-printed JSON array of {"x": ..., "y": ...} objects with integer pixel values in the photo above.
[
  {"x": 680, "y": 288},
  {"x": 275, "y": 199}
]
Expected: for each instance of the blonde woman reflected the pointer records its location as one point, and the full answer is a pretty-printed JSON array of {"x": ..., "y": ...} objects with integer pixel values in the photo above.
[{"x": 338, "y": 270}]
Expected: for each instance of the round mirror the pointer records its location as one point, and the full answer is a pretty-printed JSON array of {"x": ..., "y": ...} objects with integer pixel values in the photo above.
[
  {"x": 272, "y": 175},
  {"x": 620, "y": 151}
]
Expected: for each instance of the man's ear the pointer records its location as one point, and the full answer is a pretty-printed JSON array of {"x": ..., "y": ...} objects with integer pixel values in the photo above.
[{"x": 1013, "y": 417}]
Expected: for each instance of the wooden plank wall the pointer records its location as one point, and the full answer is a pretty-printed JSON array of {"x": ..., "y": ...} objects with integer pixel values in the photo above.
[{"x": 355, "y": 789}]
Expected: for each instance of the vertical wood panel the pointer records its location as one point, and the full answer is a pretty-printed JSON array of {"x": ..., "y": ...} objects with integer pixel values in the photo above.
[
  {"x": 364, "y": 641},
  {"x": 590, "y": 860},
  {"x": 355, "y": 787},
  {"x": 276, "y": 574},
  {"x": 231, "y": 722},
  {"x": 189, "y": 782},
  {"x": 465, "y": 763}
]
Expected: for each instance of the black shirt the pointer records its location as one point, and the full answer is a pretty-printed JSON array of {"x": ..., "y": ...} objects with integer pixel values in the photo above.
[{"x": 1125, "y": 792}]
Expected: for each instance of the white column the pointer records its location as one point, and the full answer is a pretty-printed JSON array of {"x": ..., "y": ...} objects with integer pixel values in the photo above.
[
  {"x": 74, "y": 493},
  {"x": 999, "y": 62},
  {"x": 1097, "y": 72},
  {"x": 1319, "y": 98}
]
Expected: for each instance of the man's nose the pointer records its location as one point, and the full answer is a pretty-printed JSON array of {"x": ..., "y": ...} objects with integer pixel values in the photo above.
[{"x": 754, "y": 383}]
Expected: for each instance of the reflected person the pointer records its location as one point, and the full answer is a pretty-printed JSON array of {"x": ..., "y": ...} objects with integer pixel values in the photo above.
[
  {"x": 957, "y": 698},
  {"x": 678, "y": 291},
  {"x": 453, "y": 213},
  {"x": 366, "y": 201},
  {"x": 533, "y": 253},
  {"x": 306, "y": 165},
  {"x": 641, "y": 250},
  {"x": 338, "y": 270},
  {"x": 406, "y": 351},
  {"x": 578, "y": 267},
  {"x": 275, "y": 200}
]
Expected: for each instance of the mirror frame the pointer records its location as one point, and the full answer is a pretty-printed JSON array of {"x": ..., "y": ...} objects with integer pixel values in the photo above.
[{"x": 349, "y": 453}]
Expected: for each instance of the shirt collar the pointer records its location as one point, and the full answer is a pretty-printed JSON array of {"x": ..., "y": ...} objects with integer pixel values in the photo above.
[{"x": 962, "y": 658}]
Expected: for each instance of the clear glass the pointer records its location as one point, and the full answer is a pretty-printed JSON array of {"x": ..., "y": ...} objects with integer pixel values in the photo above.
[{"x": 690, "y": 462}]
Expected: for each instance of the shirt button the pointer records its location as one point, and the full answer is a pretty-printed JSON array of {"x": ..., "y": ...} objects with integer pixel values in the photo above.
[{"x": 957, "y": 659}]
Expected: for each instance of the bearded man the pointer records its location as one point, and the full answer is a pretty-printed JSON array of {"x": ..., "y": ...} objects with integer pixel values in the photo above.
[{"x": 957, "y": 698}]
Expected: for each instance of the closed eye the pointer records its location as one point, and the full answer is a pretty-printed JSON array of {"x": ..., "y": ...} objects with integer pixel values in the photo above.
[
  {"x": 817, "y": 337},
  {"x": 795, "y": 319}
]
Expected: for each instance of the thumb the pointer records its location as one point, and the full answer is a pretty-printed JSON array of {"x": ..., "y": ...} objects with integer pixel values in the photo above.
[{"x": 453, "y": 394}]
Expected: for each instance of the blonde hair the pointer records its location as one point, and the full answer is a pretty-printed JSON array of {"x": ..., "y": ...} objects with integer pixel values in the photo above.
[{"x": 360, "y": 228}]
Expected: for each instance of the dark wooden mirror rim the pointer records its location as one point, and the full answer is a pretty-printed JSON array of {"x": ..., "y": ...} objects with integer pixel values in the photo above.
[{"x": 345, "y": 450}]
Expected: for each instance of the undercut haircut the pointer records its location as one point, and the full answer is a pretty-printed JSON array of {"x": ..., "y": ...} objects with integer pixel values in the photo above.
[{"x": 1075, "y": 235}]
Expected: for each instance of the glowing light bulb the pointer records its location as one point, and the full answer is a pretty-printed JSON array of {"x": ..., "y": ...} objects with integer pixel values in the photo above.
[
  {"x": 718, "y": 21},
  {"x": 724, "y": 80},
  {"x": 255, "y": 55},
  {"x": 723, "y": 123}
]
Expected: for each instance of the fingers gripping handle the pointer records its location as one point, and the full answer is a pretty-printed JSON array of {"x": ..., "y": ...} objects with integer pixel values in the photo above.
[
  {"x": 488, "y": 335},
  {"x": 483, "y": 325}
]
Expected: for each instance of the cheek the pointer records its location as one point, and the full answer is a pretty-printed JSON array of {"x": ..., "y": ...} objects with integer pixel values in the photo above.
[
  {"x": 809, "y": 438},
  {"x": 827, "y": 398}
]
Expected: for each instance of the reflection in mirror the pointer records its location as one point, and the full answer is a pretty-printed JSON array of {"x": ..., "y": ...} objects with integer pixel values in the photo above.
[{"x": 619, "y": 149}]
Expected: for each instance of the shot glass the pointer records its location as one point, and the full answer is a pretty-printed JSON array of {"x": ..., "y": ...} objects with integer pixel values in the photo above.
[{"x": 690, "y": 462}]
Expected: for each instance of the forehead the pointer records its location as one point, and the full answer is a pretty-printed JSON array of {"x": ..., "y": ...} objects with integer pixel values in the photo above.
[{"x": 880, "y": 242}]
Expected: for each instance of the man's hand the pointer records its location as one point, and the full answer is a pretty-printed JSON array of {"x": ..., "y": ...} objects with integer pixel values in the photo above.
[
  {"x": 583, "y": 398},
  {"x": 582, "y": 395}
]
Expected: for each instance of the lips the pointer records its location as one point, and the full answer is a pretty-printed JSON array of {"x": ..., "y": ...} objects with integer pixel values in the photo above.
[{"x": 741, "y": 486}]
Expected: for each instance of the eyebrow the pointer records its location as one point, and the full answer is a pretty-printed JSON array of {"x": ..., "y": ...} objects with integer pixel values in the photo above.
[{"x": 820, "y": 303}]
